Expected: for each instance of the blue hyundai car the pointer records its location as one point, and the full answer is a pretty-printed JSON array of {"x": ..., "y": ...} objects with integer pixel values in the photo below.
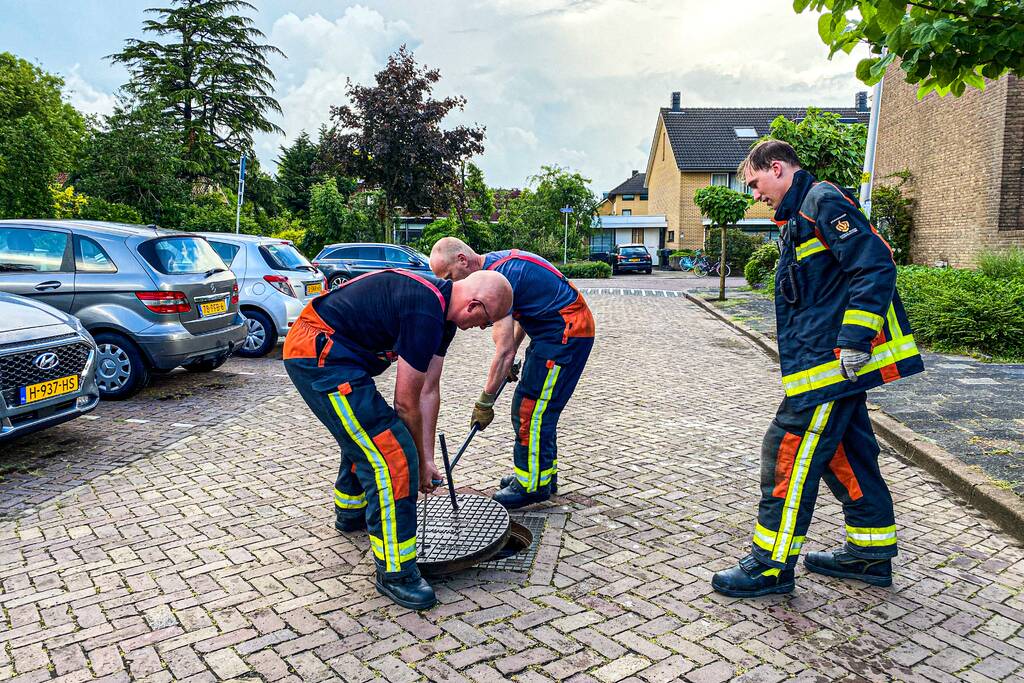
[{"x": 341, "y": 262}]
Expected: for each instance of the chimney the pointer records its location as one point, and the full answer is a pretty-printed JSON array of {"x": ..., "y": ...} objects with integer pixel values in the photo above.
[
  {"x": 635, "y": 171},
  {"x": 675, "y": 101},
  {"x": 861, "y": 101}
]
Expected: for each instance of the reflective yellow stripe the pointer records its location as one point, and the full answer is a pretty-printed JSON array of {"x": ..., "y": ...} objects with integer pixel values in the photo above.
[
  {"x": 828, "y": 374},
  {"x": 764, "y": 538},
  {"x": 791, "y": 506},
  {"x": 809, "y": 248},
  {"x": 392, "y": 560},
  {"x": 869, "y": 536},
  {"x": 532, "y": 479},
  {"x": 343, "y": 500},
  {"x": 895, "y": 331},
  {"x": 407, "y": 549},
  {"x": 864, "y": 319}
]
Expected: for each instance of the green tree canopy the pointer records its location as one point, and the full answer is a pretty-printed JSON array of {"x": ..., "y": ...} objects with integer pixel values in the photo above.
[
  {"x": 724, "y": 207},
  {"x": 39, "y": 136},
  {"x": 828, "y": 149},
  {"x": 133, "y": 157},
  {"x": 943, "y": 45},
  {"x": 533, "y": 220},
  {"x": 391, "y": 136},
  {"x": 296, "y": 173},
  {"x": 335, "y": 217},
  {"x": 207, "y": 70}
]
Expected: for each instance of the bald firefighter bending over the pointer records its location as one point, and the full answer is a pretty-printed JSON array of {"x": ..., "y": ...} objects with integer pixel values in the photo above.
[
  {"x": 344, "y": 339},
  {"x": 554, "y": 314}
]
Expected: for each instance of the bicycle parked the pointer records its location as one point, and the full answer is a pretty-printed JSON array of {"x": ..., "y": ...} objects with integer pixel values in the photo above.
[{"x": 701, "y": 265}]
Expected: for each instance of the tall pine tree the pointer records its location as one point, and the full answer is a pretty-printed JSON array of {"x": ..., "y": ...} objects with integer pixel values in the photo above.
[{"x": 206, "y": 68}]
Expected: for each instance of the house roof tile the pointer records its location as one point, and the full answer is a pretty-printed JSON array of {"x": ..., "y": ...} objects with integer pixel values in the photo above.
[
  {"x": 705, "y": 139},
  {"x": 634, "y": 185}
]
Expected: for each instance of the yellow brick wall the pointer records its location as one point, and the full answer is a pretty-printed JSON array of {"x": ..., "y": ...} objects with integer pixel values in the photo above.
[
  {"x": 663, "y": 185},
  {"x": 639, "y": 208},
  {"x": 966, "y": 156}
]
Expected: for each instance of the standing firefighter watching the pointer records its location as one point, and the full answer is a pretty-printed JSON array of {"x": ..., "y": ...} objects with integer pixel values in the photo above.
[
  {"x": 554, "y": 314},
  {"x": 841, "y": 330},
  {"x": 340, "y": 342}
]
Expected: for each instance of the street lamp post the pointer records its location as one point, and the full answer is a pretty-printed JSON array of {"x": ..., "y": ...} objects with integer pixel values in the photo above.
[{"x": 565, "y": 243}]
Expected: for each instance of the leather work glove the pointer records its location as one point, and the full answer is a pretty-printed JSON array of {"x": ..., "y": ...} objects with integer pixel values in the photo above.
[
  {"x": 852, "y": 360},
  {"x": 483, "y": 411}
]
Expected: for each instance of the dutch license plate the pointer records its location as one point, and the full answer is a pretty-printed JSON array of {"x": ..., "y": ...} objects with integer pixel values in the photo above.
[
  {"x": 315, "y": 288},
  {"x": 48, "y": 389},
  {"x": 634, "y": 260},
  {"x": 213, "y": 308}
]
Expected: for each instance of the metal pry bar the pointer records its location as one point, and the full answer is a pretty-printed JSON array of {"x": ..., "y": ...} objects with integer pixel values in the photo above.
[{"x": 448, "y": 472}]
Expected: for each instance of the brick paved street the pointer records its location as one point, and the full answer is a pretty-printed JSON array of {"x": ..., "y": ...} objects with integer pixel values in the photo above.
[{"x": 149, "y": 551}]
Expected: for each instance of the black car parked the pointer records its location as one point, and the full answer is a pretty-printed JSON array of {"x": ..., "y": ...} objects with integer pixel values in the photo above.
[
  {"x": 341, "y": 262},
  {"x": 630, "y": 257}
]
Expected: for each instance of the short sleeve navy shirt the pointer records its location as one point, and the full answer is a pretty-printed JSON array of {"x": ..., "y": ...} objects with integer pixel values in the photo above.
[{"x": 386, "y": 315}]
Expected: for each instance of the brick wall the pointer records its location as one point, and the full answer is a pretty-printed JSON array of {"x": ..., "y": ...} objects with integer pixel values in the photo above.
[
  {"x": 663, "y": 186},
  {"x": 966, "y": 156}
]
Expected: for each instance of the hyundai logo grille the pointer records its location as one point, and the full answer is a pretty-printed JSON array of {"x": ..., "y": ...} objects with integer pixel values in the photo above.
[{"x": 46, "y": 361}]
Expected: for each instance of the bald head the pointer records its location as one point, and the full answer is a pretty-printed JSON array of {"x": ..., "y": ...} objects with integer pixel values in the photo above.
[
  {"x": 480, "y": 299},
  {"x": 453, "y": 259}
]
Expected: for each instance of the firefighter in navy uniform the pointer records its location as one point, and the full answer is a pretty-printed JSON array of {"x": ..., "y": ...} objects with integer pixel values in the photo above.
[
  {"x": 341, "y": 341},
  {"x": 548, "y": 308},
  {"x": 841, "y": 331}
]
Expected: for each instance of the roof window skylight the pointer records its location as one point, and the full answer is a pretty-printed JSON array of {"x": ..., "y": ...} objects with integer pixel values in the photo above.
[{"x": 745, "y": 132}]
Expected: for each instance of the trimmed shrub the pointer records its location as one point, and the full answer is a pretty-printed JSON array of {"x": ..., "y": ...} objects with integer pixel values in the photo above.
[
  {"x": 293, "y": 235},
  {"x": 955, "y": 310},
  {"x": 585, "y": 269},
  {"x": 1007, "y": 263},
  {"x": 761, "y": 264},
  {"x": 97, "y": 209}
]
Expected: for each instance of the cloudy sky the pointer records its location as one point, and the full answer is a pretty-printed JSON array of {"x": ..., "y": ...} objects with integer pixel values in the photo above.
[{"x": 571, "y": 82}]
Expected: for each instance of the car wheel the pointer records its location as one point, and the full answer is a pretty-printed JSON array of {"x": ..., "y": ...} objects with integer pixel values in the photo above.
[
  {"x": 260, "y": 337},
  {"x": 120, "y": 369},
  {"x": 208, "y": 365},
  {"x": 337, "y": 280}
]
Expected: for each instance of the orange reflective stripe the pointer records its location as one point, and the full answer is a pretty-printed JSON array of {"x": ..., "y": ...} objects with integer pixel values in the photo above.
[
  {"x": 840, "y": 467},
  {"x": 807, "y": 217},
  {"x": 345, "y": 389},
  {"x": 301, "y": 339},
  {"x": 784, "y": 463},
  {"x": 525, "y": 415},
  {"x": 398, "y": 466}
]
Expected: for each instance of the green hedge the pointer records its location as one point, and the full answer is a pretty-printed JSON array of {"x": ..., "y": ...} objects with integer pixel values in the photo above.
[
  {"x": 761, "y": 264},
  {"x": 739, "y": 246},
  {"x": 585, "y": 269},
  {"x": 955, "y": 310}
]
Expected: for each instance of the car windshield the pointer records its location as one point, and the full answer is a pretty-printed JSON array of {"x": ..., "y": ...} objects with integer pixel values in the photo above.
[
  {"x": 633, "y": 251},
  {"x": 181, "y": 255},
  {"x": 284, "y": 256}
]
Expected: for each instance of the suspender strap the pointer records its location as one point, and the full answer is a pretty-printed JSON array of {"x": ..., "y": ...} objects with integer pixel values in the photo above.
[
  {"x": 515, "y": 254},
  {"x": 423, "y": 281}
]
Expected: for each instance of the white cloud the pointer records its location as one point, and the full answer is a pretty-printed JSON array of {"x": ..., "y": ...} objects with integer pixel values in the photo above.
[{"x": 84, "y": 96}]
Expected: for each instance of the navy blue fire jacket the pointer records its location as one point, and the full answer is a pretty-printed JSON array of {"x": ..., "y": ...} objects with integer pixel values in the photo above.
[{"x": 835, "y": 288}]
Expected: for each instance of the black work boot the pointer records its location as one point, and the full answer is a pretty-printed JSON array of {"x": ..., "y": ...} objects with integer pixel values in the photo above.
[
  {"x": 349, "y": 524},
  {"x": 843, "y": 565},
  {"x": 411, "y": 591},
  {"x": 748, "y": 579},
  {"x": 509, "y": 478},
  {"x": 515, "y": 496}
]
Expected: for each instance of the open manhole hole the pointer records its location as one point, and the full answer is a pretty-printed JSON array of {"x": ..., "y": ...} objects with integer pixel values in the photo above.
[{"x": 520, "y": 551}]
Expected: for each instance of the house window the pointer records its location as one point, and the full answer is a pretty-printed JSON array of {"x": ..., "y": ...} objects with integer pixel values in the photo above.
[
  {"x": 671, "y": 236},
  {"x": 638, "y": 236},
  {"x": 602, "y": 241},
  {"x": 627, "y": 212},
  {"x": 643, "y": 197},
  {"x": 721, "y": 179},
  {"x": 746, "y": 133},
  {"x": 737, "y": 183},
  {"x": 628, "y": 197}
]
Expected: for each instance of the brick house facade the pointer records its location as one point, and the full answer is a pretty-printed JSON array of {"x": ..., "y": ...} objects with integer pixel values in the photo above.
[{"x": 966, "y": 156}]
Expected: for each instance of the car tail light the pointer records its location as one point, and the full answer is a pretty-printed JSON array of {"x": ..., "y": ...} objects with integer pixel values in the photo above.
[
  {"x": 315, "y": 264},
  {"x": 280, "y": 283},
  {"x": 326, "y": 285},
  {"x": 621, "y": 257},
  {"x": 165, "y": 303},
  {"x": 234, "y": 293}
]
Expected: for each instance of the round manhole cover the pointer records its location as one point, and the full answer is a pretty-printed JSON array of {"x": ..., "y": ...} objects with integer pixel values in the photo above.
[{"x": 450, "y": 540}]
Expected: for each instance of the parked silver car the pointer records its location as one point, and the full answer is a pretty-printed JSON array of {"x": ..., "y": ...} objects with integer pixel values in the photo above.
[
  {"x": 152, "y": 299},
  {"x": 47, "y": 367},
  {"x": 275, "y": 282}
]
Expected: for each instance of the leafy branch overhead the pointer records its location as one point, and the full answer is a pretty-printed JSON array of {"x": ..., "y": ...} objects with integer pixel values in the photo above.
[{"x": 943, "y": 45}]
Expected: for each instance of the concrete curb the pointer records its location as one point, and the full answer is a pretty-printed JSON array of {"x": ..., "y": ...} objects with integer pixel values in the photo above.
[{"x": 1003, "y": 507}]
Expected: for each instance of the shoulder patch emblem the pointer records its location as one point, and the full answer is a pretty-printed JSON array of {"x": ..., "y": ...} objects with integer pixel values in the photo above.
[{"x": 843, "y": 226}]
